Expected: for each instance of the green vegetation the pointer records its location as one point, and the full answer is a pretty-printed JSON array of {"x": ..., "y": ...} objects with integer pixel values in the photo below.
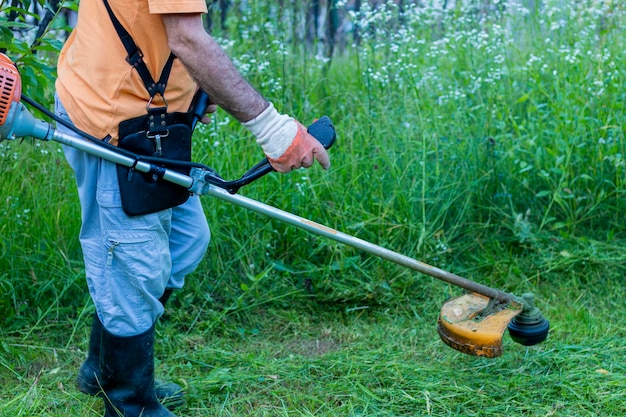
[{"x": 487, "y": 142}]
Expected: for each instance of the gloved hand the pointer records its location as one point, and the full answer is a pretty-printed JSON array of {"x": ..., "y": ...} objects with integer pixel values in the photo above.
[{"x": 285, "y": 142}]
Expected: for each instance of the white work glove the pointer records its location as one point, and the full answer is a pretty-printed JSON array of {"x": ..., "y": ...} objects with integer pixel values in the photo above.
[{"x": 285, "y": 142}]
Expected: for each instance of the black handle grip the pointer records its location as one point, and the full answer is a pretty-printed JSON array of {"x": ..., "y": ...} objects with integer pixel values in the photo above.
[
  {"x": 199, "y": 105},
  {"x": 324, "y": 131}
]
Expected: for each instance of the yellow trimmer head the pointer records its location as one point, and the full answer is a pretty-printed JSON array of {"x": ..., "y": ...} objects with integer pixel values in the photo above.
[{"x": 474, "y": 324}]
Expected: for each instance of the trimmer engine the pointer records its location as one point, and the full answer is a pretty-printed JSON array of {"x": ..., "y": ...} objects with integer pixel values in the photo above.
[
  {"x": 10, "y": 87},
  {"x": 15, "y": 120}
]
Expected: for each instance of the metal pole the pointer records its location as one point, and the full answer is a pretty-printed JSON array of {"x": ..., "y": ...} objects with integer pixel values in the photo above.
[
  {"x": 111, "y": 155},
  {"x": 357, "y": 243}
]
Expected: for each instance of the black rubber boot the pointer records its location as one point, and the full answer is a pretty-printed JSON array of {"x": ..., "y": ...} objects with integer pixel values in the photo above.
[
  {"x": 166, "y": 296},
  {"x": 127, "y": 372},
  {"x": 89, "y": 381}
]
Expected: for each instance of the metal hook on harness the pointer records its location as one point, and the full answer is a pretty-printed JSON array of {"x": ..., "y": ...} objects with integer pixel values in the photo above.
[{"x": 148, "y": 106}]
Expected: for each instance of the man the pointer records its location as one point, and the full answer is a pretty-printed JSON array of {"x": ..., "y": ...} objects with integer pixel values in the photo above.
[{"x": 133, "y": 263}]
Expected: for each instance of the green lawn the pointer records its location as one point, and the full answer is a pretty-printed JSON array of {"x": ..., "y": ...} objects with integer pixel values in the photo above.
[{"x": 303, "y": 358}]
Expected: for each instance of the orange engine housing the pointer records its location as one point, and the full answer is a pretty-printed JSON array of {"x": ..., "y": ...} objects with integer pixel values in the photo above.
[{"x": 10, "y": 86}]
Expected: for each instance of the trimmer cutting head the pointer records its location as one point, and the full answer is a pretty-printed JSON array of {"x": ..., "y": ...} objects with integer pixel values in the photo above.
[
  {"x": 529, "y": 327},
  {"x": 474, "y": 324}
]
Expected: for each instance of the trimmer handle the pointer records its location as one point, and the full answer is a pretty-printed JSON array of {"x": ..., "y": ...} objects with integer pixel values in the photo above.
[{"x": 322, "y": 130}]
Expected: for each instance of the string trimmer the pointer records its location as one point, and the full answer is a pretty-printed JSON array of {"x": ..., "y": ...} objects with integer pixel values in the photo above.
[{"x": 473, "y": 323}]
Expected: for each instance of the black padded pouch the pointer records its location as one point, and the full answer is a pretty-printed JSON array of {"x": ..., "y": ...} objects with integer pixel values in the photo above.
[{"x": 158, "y": 135}]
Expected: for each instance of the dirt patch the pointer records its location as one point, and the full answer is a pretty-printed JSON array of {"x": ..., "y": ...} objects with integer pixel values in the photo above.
[{"x": 311, "y": 348}]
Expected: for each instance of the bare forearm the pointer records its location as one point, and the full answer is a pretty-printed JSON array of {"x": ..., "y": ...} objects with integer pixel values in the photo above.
[
  {"x": 286, "y": 143},
  {"x": 212, "y": 68}
]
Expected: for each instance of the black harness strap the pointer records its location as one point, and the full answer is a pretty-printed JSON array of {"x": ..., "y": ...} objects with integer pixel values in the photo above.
[{"x": 135, "y": 58}]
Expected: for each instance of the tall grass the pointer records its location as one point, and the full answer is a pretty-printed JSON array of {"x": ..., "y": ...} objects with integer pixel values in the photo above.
[
  {"x": 485, "y": 142},
  {"x": 456, "y": 130}
]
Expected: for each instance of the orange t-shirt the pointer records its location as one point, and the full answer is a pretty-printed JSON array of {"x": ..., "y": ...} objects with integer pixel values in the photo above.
[{"x": 98, "y": 88}]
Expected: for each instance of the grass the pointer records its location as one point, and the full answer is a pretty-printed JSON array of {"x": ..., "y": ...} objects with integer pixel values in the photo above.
[
  {"x": 301, "y": 360},
  {"x": 488, "y": 145}
]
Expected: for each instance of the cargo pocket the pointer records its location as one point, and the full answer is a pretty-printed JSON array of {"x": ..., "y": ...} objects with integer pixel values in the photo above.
[{"x": 136, "y": 256}]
